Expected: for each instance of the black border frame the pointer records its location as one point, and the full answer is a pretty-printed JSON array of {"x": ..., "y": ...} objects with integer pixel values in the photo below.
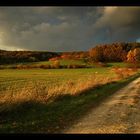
[
  {"x": 69, "y": 3},
  {"x": 72, "y": 3}
]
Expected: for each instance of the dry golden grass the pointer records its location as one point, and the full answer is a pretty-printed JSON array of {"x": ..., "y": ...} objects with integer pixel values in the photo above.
[
  {"x": 40, "y": 92},
  {"x": 124, "y": 72}
]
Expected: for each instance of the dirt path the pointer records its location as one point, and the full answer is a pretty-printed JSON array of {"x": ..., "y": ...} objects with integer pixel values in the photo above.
[{"x": 120, "y": 113}]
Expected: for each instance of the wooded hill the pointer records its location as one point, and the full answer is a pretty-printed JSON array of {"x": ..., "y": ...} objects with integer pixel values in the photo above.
[
  {"x": 115, "y": 52},
  {"x": 7, "y": 57}
]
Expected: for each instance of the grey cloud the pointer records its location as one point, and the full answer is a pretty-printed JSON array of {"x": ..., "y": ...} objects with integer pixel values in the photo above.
[
  {"x": 67, "y": 28},
  {"x": 123, "y": 23}
]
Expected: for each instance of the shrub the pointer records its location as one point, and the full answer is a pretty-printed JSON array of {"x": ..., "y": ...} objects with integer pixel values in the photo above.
[
  {"x": 1, "y": 67},
  {"x": 101, "y": 64},
  {"x": 64, "y": 66},
  {"x": 32, "y": 59},
  {"x": 13, "y": 67},
  {"x": 45, "y": 66},
  {"x": 19, "y": 66},
  {"x": 74, "y": 66},
  {"x": 54, "y": 59},
  {"x": 55, "y": 64}
]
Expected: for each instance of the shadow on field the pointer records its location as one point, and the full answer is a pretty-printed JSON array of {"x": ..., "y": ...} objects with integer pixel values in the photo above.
[{"x": 54, "y": 117}]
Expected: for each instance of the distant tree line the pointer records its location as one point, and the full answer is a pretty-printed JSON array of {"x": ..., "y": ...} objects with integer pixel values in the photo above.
[
  {"x": 8, "y": 57},
  {"x": 115, "y": 52},
  {"x": 75, "y": 55}
]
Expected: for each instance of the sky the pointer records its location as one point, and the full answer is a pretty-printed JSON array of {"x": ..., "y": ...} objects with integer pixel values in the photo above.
[{"x": 45, "y": 28}]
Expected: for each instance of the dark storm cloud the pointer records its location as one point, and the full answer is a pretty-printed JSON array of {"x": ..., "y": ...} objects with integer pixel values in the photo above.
[
  {"x": 120, "y": 24},
  {"x": 66, "y": 28}
]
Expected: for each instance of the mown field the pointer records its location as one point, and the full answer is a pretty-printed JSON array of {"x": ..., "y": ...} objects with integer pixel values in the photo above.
[{"x": 48, "y": 100}]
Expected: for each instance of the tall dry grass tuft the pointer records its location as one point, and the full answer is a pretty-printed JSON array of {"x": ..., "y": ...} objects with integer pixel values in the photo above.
[{"x": 124, "y": 72}]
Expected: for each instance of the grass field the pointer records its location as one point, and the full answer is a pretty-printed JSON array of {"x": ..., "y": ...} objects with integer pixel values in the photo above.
[
  {"x": 46, "y": 101},
  {"x": 62, "y": 62},
  {"x": 51, "y": 76},
  {"x": 118, "y": 64}
]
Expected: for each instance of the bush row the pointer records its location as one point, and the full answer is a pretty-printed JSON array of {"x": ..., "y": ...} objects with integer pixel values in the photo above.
[{"x": 71, "y": 66}]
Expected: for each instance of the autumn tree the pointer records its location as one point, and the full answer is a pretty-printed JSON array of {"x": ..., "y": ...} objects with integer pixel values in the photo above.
[
  {"x": 115, "y": 52},
  {"x": 130, "y": 56},
  {"x": 96, "y": 54},
  {"x": 134, "y": 55},
  {"x": 137, "y": 54}
]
